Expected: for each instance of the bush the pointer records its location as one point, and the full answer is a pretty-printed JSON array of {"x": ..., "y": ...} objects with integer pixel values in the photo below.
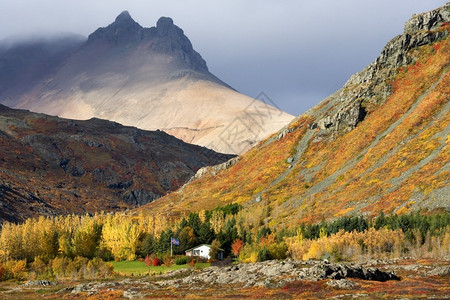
[
  {"x": 182, "y": 260},
  {"x": 278, "y": 250},
  {"x": 38, "y": 265},
  {"x": 167, "y": 260},
  {"x": 156, "y": 262},
  {"x": 97, "y": 268},
  {"x": 192, "y": 263},
  {"x": 105, "y": 254},
  {"x": 249, "y": 253},
  {"x": 148, "y": 261},
  {"x": 76, "y": 269},
  {"x": 16, "y": 268},
  {"x": 263, "y": 254},
  {"x": 2, "y": 272},
  {"x": 253, "y": 257},
  {"x": 214, "y": 250},
  {"x": 59, "y": 266}
]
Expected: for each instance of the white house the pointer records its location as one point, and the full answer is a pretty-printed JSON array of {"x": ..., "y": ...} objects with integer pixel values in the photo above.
[{"x": 203, "y": 251}]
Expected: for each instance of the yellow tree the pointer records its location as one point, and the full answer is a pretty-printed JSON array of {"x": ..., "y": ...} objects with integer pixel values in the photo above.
[
  {"x": 217, "y": 221},
  {"x": 121, "y": 237}
]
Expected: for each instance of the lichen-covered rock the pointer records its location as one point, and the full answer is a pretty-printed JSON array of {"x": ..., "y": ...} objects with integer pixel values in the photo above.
[
  {"x": 342, "y": 284},
  {"x": 39, "y": 283},
  {"x": 439, "y": 271},
  {"x": 370, "y": 86},
  {"x": 274, "y": 273},
  {"x": 340, "y": 271},
  {"x": 429, "y": 20}
]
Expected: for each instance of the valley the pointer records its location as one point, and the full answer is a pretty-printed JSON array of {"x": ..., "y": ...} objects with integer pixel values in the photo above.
[{"x": 349, "y": 199}]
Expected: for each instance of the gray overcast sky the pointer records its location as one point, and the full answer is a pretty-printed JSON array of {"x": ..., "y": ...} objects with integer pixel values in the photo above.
[{"x": 297, "y": 52}]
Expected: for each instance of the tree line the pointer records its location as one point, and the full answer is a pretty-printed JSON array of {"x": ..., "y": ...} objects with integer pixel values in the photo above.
[{"x": 125, "y": 237}]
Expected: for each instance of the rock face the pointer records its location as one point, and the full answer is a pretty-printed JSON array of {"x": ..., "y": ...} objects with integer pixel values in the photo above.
[
  {"x": 123, "y": 31},
  {"x": 166, "y": 38},
  {"x": 341, "y": 271},
  {"x": 352, "y": 110},
  {"x": 428, "y": 20},
  {"x": 53, "y": 166},
  {"x": 150, "y": 78},
  {"x": 275, "y": 274}
]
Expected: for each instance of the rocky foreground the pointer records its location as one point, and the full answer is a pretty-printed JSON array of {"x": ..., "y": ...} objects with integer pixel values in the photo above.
[
  {"x": 272, "y": 274},
  {"x": 271, "y": 279}
]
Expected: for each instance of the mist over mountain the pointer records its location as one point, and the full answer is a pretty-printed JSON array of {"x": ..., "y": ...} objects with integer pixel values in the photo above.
[
  {"x": 27, "y": 59},
  {"x": 151, "y": 78}
]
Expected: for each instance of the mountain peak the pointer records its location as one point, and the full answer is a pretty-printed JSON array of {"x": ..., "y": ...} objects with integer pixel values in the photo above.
[
  {"x": 164, "y": 22},
  {"x": 166, "y": 38},
  {"x": 124, "y": 16},
  {"x": 124, "y": 30},
  {"x": 166, "y": 28}
]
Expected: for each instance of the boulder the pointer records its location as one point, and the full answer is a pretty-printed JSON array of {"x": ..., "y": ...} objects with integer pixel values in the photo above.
[
  {"x": 39, "y": 283},
  {"x": 342, "y": 284}
]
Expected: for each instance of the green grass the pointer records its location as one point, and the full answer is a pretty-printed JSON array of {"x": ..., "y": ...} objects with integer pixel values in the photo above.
[{"x": 139, "y": 267}]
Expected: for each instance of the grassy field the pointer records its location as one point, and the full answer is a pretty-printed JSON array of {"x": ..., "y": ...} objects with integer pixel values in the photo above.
[{"x": 139, "y": 267}]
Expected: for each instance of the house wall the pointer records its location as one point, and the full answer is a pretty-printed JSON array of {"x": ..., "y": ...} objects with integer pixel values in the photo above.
[{"x": 203, "y": 251}]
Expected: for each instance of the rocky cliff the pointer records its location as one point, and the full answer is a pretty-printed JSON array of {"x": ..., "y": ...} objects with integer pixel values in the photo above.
[
  {"x": 371, "y": 87},
  {"x": 166, "y": 38}
]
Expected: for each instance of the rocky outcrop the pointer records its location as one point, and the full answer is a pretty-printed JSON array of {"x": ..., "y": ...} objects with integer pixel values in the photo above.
[
  {"x": 124, "y": 31},
  {"x": 347, "y": 117},
  {"x": 274, "y": 274},
  {"x": 165, "y": 38},
  {"x": 428, "y": 20},
  {"x": 342, "y": 284},
  {"x": 370, "y": 86},
  {"x": 214, "y": 169},
  {"x": 139, "y": 197},
  {"x": 169, "y": 38},
  {"x": 39, "y": 283},
  {"x": 278, "y": 279},
  {"x": 342, "y": 271}
]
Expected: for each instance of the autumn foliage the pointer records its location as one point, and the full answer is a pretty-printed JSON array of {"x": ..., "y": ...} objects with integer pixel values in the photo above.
[{"x": 236, "y": 247}]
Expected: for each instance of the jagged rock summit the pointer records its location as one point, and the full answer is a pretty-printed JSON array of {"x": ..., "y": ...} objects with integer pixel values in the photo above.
[
  {"x": 123, "y": 30},
  {"x": 151, "y": 78}
]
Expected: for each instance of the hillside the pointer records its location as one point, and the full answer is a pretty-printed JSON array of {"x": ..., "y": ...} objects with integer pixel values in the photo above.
[
  {"x": 379, "y": 144},
  {"x": 52, "y": 166},
  {"x": 150, "y": 78}
]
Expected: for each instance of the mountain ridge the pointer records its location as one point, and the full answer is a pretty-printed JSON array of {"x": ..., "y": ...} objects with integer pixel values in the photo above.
[
  {"x": 379, "y": 144},
  {"x": 54, "y": 166},
  {"x": 169, "y": 38}
]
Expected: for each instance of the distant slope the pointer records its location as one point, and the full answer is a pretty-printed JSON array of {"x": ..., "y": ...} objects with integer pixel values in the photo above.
[
  {"x": 381, "y": 143},
  {"x": 53, "y": 166},
  {"x": 151, "y": 78}
]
